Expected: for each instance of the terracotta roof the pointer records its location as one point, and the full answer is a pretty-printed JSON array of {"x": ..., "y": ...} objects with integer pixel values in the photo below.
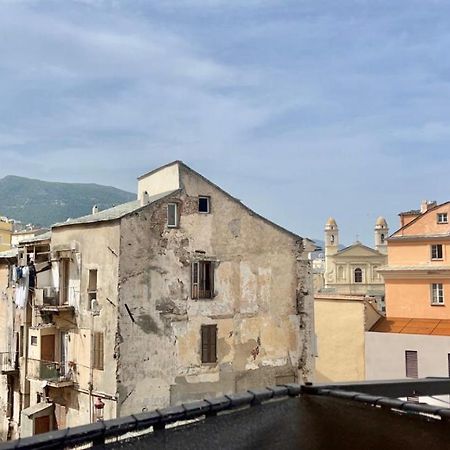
[{"x": 436, "y": 327}]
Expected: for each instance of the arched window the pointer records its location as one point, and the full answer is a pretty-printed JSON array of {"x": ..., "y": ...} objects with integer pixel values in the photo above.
[
  {"x": 358, "y": 275},
  {"x": 382, "y": 238},
  {"x": 332, "y": 238}
]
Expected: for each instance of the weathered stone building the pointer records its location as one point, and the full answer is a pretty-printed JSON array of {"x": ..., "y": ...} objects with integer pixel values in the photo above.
[{"x": 181, "y": 294}]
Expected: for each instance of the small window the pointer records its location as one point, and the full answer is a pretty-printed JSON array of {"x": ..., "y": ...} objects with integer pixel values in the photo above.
[
  {"x": 92, "y": 288},
  {"x": 204, "y": 204},
  {"x": 172, "y": 215},
  {"x": 382, "y": 238},
  {"x": 98, "y": 351},
  {"x": 442, "y": 218},
  {"x": 411, "y": 364},
  {"x": 202, "y": 279},
  {"x": 358, "y": 276},
  {"x": 34, "y": 340},
  {"x": 436, "y": 251},
  {"x": 209, "y": 343},
  {"x": 332, "y": 238},
  {"x": 437, "y": 294}
]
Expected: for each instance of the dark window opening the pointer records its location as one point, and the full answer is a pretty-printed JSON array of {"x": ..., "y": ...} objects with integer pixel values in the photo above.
[
  {"x": 209, "y": 343},
  {"x": 436, "y": 251},
  {"x": 172, "y": 215},
  {"x": 203, "y": 204},
  {"x": 382, "y": 238},
  {"x": 202, "y": 279},
  {"x": 92, "y": 288},
  {"x": 358, "y": 276}
]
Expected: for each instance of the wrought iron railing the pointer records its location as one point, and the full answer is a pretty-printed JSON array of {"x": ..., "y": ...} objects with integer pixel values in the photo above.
[{"x": 49, "y": 370}]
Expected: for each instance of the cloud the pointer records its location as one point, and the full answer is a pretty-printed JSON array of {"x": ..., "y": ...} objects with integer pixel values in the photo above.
[{"x": 303, "y": 109}]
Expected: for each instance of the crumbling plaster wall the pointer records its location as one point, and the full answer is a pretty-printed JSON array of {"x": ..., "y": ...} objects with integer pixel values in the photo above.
[{"x": 262, "y": 304}]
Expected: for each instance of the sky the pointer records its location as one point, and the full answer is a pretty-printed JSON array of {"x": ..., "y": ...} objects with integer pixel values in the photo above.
[{"x": 303, "y": 109}]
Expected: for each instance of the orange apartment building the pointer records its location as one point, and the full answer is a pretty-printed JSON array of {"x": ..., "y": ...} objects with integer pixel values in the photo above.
[
  {"x": 417, "y": 277},
  {"x": 413, "y": 339}
]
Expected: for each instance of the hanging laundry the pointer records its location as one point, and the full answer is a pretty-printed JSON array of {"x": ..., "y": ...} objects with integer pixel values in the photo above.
[{"x": 22, "y": 288}]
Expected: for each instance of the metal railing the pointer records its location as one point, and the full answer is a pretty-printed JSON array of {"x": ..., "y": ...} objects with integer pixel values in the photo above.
[
  {"x": 9, "y": 361},
  {"x": 103, "y": 432},
  {"x": 49, "y": 370}
]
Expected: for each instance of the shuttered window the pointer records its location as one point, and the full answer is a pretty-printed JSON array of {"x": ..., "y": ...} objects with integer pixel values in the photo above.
[
  {"x": 98, "y": 351},
  {"x": 412, "y": 369},
  {"x": 209, "y": 343},
  {"x": 202, "y": 279}
]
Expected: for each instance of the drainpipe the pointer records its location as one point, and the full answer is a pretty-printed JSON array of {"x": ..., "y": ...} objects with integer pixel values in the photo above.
[{"x": 91, "y": 369}]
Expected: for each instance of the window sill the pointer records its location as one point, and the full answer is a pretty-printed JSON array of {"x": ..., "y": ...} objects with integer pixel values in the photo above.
[
  {"x": 437, "y": 259},
  {"x": 437, "y": 304}
]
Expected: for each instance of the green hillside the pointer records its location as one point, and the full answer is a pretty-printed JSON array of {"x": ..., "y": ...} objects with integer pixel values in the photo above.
[{"x": 44, "y": 203}]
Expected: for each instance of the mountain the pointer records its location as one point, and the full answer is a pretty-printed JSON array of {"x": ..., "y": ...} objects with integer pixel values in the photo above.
[{"x": 44, "y": 203}]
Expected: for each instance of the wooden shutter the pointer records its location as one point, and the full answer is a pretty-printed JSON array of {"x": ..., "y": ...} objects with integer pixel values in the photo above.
[
  {"x": 194, "y": 278},
  {"x": 209, "y": 343},
  {"x": 412, "y": 369},
  {"x": 98, "y": 351}
]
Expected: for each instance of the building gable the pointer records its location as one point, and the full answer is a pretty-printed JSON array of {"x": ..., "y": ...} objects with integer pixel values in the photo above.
[{"x": 358, "y": 250}]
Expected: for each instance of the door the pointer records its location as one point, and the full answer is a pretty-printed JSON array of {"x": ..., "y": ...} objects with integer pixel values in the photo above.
[
  {"x": 48, "y": 348},
  {"x": 41, "y": 424},
  {"x": 47, "y": 366}
]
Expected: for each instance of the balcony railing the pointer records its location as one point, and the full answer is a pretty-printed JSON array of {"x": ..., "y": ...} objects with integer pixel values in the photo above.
[
  {"x": 8, "y": 362},
  {"x": 54, "y": 372}
]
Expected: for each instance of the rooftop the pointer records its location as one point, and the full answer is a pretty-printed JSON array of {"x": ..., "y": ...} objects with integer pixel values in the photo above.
[
  {"x": 117, "y": 212},
  {"x": 435, "y": 327}
]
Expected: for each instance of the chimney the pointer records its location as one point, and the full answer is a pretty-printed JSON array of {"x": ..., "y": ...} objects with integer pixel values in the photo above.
[
  {"x": 145, "y": 199},
  {"x": 425, "y": 205},
  {"x": 95, "y": 209}
]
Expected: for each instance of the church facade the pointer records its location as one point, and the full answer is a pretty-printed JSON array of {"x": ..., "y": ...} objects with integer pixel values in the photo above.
[{"x": 353, "y": 270}]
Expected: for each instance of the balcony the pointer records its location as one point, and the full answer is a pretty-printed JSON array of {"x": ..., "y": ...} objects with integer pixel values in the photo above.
[
  {"x": 47, "y": 301},
  {"x": 9, "y": 364},
  {"x": 56, "y": 374}
]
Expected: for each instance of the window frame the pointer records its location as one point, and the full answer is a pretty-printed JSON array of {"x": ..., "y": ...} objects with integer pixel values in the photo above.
[
  {"x": 437, "y": 288},
  {"x": 208, "y": 343},
  {"x": 177, "y": 220},
  {"x": 201, "y": 272},
  {"x": 410, "y": 355},
  {"x": 360, "y": 272},
  {"x": 208, "y": 204},
  {"x": 437, "y": 247},
  {"x": 441, "y": 217}
]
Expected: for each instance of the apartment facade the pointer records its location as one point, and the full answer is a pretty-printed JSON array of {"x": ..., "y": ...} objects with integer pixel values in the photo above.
[
  {"x": 181, "y": 294},
  {"x": 416, "y": 329}
]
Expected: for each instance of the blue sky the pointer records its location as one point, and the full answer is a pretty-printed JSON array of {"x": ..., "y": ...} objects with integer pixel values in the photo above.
[{"x": 302, "y": 109}]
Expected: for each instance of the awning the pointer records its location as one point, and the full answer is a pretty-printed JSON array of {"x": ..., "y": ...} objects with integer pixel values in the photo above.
[{"x": 31, "y": 411}]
